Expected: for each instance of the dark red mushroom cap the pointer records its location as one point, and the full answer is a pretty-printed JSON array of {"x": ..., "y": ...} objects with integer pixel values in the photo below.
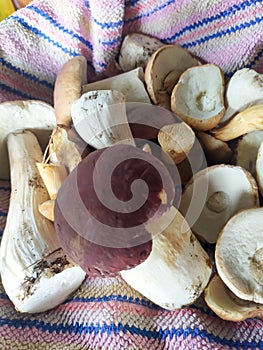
[{"x": 103, "y": 205}]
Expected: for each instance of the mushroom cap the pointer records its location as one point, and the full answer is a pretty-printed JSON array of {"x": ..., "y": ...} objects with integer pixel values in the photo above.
[
  {"x": 239, "y": 254},
  {"x": 106, "y": 232},
  {"x": 198, "y": 97},
  {"x": 246, "y": 150},
  {"x": 17, "y": 115},
  {"x": 167, "y": 61},
  {"x": 227, "y": 305},
  {"x": 213, "y": 195},
  {"x": 259, "y": 168}
]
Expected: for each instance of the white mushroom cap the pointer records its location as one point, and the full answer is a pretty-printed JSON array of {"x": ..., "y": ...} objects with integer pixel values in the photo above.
[
  {"x": 239, "y": 254},
  {"x": 227, "y": 305},
  {"x": 217, "y": 193},
  {"x": 163, "y": 70},
  {"x": 198, "y": 97},
  {"x": 259, "y": 168}
]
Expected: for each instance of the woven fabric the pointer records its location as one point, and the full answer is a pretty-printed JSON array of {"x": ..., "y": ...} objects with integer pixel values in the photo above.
[{"x": 35, "y": 42}]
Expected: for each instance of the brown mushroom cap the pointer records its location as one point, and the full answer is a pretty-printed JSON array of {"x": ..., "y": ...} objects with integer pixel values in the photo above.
[
  {"x": 166, "y": 64},
  {"x": 198, "y": 97},
  {"x": 239, "y": 254}
]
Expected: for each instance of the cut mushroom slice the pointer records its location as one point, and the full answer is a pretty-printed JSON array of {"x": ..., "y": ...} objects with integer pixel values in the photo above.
[
  {"x": 164, "y": 69},
  {"x": 244, "y": 122},
  {"x": 216, "y": 151},
  {"x": 259, "y": 168},
  {"x": 47, "y": 209},
  {"x": 217, "y": 192},
  {"x": 100, "y": 118},
  {"x": 136, "y": 50},
  {"x": 246, "y": 150},
  {"x": 68, "y": 88},
  {"x": 178, "y": 268},
  {"x": 176, "y": 140},
  {"x": 198, "y": 97},
  {"x": 131, "y": 84},
  {"x": 239, "y": 254},
  {"x": 237, "y": 98},
  {"x": 227, "y": 305},
  {"x": 18, "y": 115}
]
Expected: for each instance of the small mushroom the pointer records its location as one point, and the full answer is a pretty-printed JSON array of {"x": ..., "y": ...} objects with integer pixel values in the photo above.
[
  {"x": 242, "y": 123},
  {"x": 244, "y": 88},
  {"x": 216, "y": 151},
  {"x": 176, "y": 140},
  {"x": 213, "y": 195},
  {"x": 177, "y": 270},
  {"x": 136, "y": 49},
  {"x": 246, "y": 150},
  {"x": 17, "y": 115},
  {"x": 239, "y": 254},
  {"x": 259, "y": 168},
  {"x": 68, "y": 88},
  {"x": 131, "y": 84},
  {"x": 198, "y": 97},
  {"x": 164, "y": 69},
  {"x": 227, "y": 305},
  {"x": 100, "y": 118}
]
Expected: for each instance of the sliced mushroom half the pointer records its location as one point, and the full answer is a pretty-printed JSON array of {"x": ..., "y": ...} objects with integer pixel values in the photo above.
[
  {"x": 198, "y": 97},
  {"x": 239, "y": 254},
  {"x": 217, "y": 193},
  {"x": 163, "y": 70},
  {"x": 227, "y": 305},
  {"x": 259, "y": 168}
]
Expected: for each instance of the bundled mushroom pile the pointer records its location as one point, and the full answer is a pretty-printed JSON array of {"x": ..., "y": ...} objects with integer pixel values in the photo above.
[{"x": 141, "y": 175}]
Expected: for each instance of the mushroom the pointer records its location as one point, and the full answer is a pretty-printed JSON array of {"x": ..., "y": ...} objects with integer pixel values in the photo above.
[
  {"x": 163, "y": 70},
  {"x": 213, "y": 195},
  {"x": 259, "y": 168},
  {"x": 68, "y": 88},
  {"x": 242, "y": 123},
  {"x": 227, "y": 305},
  {"x": 107, "y": 233},
  {"x": 178, "y": 268},
  {"x": 216, "y": 151},
  {"x": 136, "y": 49},
  {"x": 47, "y": 209},
  {"x": 246, "y": 150},
  {"x": 239, "y": 254},
  {"x": 198, "y": 96},
  {"x": 176, "y": 140},
  {"x": 244, "y": 89},
  {"x": 100, "y": 118},
  {"x": 17, "y": 115},
  {"x": 131, "y": 84},
  {"x": 35, "y": 272}
]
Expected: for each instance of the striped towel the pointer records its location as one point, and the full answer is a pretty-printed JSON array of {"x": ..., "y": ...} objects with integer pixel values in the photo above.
[{"x": 34, "y": 43}]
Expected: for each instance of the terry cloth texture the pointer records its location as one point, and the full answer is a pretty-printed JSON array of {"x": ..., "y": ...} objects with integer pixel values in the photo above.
[{"x": 34, "y": 43}]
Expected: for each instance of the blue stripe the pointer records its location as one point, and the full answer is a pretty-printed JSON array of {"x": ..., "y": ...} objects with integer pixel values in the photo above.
[
  {"x": 3, "y": 188},
  {"x": 156, "y": 9},
  {"x": 60, "y": 27},
  {"x": 3, "y": 296},
  {"x": 26, "y": 75},
  {"x": 15, "y": 92},
  {"x": 86, "y": 2},
  {"x": 132, "y": 2},
  {"x": 78, "y": 328},
  {"x": 3, "y": 213},
  {"x": 225, "y": 32},
  {"x": 1, "y": 234},
  {"x": 208, "y": 20},
  {"x": 109, "y": 25},
  {"x": 111, "y": 42}
]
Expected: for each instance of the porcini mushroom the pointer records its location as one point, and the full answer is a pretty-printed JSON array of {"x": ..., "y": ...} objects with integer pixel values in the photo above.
[
  {"x": 106, "y": 234},
  {"x": 240, "y": 264},
  {"x": 36, "y": 274},
  {"x": 16, "y": 115},
  {"x": 177, "y": 270},
  {"x": 136, "y": 49},
  {"x": 213, "y": 195},
  {"x": 100, "y": 118},
  {"x": 227, "y": 305},
  {"x": 163, "y": 70},
  {"x": 198, "y": 96}
]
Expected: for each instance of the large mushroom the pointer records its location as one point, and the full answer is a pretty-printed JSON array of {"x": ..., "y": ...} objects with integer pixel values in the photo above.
[
  {"x": 213, "y": 195},
  {"x": 239, "y": 254},
  {"x": 100, "y": 215}
]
